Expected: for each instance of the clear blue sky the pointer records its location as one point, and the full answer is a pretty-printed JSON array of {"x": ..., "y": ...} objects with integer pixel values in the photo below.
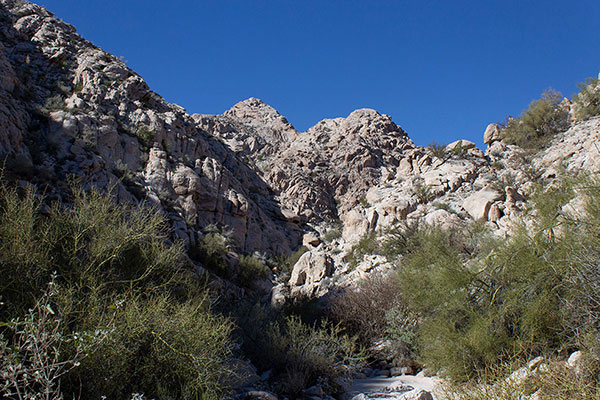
[{"x": 442, "y": 69}]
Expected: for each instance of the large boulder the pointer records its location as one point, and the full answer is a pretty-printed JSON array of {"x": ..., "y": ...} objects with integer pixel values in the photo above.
[
  {"x": 309, "y": 271},
  {"x": 491, "y": 134},
  {"x": 478, "y": 204}
]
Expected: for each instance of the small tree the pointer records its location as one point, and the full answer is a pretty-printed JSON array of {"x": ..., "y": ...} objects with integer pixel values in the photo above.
[
  {"x": 538, "y": 124},
  {"x": 587, "y": 101}
]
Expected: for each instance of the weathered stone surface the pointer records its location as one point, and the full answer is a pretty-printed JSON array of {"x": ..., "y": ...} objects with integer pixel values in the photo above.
[
  {"x": 311, "y": 268},
  {"x": 478, "y": 204},
  {"x": 460, "y": 145},
  {"x": 491, "y": 134}
]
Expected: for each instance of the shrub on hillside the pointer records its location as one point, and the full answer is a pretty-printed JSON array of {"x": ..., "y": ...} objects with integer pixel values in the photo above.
[
  {"x": 368, "y": 244},
  {"x": 252, "y": 269},
  {"x": 486, "y": 301},
  {"x": 375, "y": 310},
  {"x": 117, "y": 277},
  {"x": 553, "y": 381},
  {"x": 303, "y": 354},
  {"x": 537, "y": 125},
  {"x": 438, "y": 150},
  {"x": 163, "y": 348},
  {"x": 587, "y": 100},
  {"x": 213, "y": 249}
]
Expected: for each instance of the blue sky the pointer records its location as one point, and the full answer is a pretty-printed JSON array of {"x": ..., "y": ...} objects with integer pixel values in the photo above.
[{"x": 442, "y": 69}]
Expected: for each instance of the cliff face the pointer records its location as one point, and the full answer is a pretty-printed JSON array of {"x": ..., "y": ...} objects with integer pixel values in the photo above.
[{"x": 69, "y": 110}]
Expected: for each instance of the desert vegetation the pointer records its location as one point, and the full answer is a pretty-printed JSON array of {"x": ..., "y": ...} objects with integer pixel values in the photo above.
[
  {"x": 96, "y": 301},
  {"x": 472, "y": 306},
  {"x": 536, "y": 126}
]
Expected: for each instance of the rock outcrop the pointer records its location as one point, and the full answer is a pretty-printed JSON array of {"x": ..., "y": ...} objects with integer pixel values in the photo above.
[{"x": 69, "y": 109}]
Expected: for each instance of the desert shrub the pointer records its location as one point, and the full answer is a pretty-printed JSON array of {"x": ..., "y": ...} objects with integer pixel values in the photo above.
[
  {"x": 554, "y": 381},
  {"x": 212, "y": 250},
  {"x": 163, "y": 348},
  {"x": 362, "y": 310},
  {"x": 364, "y": 202},
  {"x": 251, "y": 269},
  {"x": 581, "y": 308},
  {"x": 375, "y": 310},
  {"x": 30, "y": 361},
  {"x": 368, "y": 244},
  {"x": 301, "y": 354},
  {"x": 497, "y": 165},
  {"x": 145, "y": 135},
  {"x": 54, "y": 103},
  {"x": 587, "y": 100},
  {"x": 422, "y": 192},
  {"x": 438, "y": 150},
  {"x": 486, "y": 301},
  {"x": 331, "y": 235},
  {"x": 116, "y": 274},
  {"x": 401, "y": 239},
  {"x": 282, "y": 265},
  {"x": 537, "y": 125}
]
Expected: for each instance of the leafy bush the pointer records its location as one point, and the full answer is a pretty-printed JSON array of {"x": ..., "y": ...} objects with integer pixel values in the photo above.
[
  {"x": 163, "y": 348},
  {"x": 486, "y": 301},
  {"x": 438, "y": 150},
  {"x": 301, "y": 354},
  {"x": 252, "y": 269},
  {"x": 537, "y": 125},
  {"x": 366, "y": 245},
  {"x": 587, "y": 101},
  {"x": 212, "y": 251},
  {"x": 554, "y": 381},
  {"x": 31, "y": 363},
  {"x": 116, "y": 277}
]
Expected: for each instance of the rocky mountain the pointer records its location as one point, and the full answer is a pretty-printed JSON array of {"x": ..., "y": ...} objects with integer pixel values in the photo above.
[{"x": 70, "y": 111}]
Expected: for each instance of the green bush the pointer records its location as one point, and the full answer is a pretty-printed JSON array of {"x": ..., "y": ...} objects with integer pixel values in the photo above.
[
  {"x": 162, "y": 348},
  {"x": 485, "y": 301},
  {"x": 553, "y": 381},
  {"x": 438, "y": 150},
  {"x": 117, "y": 277},
  {"x": 301, "y": 354},
  {"x": 368, "y": 244},
  {"x": 145, "y": 135},
  {"x": 252, "y": 269},
  {"x": 587, "y": 100},
  {"x": 536, "y": 126},
  {"x": 212, "y": 251}
]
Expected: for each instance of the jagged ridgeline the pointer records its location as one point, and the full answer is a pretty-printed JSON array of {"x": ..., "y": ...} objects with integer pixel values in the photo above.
[{"x": 150, "y": 253}]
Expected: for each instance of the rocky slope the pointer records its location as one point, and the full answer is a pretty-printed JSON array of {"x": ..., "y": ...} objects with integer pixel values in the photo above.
[{"x": 70, "y": 111}]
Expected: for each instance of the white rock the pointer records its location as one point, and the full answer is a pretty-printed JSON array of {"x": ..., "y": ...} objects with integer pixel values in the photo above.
[
  {"x": 478, "y": 204},
  {"x": 491, "y": 134}
]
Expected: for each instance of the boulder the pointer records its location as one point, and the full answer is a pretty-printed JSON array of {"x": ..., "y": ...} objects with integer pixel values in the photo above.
[
  {"x": 310, "y": 269},
  {"x": 310, "y": 239},
  {"x": 259, "y": 395},
  {"x": 575, "y": 362},
  {"x": 478, "y": 204},
  {"x": 461, "y": 144},
  {"x": 491, "y": 134},
  {"x": 421, "y": 395}
]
